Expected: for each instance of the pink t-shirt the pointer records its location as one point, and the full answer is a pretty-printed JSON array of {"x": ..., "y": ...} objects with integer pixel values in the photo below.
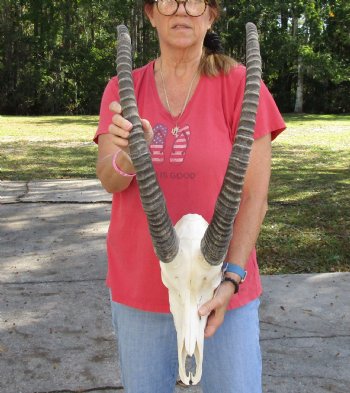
[{"x": 190, "y": 168}]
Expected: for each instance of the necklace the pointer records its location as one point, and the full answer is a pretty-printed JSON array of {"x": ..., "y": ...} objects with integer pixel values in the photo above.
[{"x": 176, "y": 129}]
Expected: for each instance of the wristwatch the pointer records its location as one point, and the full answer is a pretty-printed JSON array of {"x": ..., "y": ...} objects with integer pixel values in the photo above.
[{"x": 233, "y": 268}]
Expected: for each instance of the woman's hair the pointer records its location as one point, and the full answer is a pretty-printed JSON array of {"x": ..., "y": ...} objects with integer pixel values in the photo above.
[{"x": 213, "y": 61}]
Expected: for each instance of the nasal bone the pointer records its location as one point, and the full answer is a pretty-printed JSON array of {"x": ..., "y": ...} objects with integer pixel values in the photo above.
[{"x": 192, "y": 331}]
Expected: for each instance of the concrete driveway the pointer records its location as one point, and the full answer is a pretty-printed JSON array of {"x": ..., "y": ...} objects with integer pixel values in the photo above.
[{"x": 55, "y": 330}]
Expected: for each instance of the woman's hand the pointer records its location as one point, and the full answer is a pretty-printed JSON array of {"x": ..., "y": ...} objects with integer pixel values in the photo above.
[
  {"x": 120, "y": 128},
  {"x": 110, "y": 143},
  {"x": 216, "y": 308}
]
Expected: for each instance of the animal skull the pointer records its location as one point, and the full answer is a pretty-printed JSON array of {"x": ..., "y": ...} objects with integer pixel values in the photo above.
[
  {"x": 191, "y": 282},
  {"x": 191, "y": 254}
]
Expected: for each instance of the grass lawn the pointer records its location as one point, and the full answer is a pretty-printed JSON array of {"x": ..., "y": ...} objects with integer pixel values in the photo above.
[
  {"x": 307, "y": 225},
  {"x": 47, "y": 147}
]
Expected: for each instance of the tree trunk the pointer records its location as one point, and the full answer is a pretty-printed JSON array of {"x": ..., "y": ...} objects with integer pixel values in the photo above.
[{"x": 298, "y": 108}]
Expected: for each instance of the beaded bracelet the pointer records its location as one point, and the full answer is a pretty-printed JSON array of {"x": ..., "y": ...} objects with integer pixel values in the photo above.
[
  {"x": 233, "y": 282},
  {"x": 116, "y": 167}
]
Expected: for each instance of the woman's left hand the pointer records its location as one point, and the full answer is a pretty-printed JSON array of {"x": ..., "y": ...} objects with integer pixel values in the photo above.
[{"x": 216, "y": 308}]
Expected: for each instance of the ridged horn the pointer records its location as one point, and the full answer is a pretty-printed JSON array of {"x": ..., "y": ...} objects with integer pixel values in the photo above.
[
  {"x": 217, "y": 237},
  {"x": 164, "y": 238}
]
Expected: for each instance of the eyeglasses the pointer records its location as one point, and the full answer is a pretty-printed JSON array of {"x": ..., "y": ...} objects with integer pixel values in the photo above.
[{"x": 192, "y": 7}]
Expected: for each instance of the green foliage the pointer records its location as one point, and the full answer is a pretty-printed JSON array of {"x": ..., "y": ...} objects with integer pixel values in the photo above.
[{"x": 56, "y": 56}]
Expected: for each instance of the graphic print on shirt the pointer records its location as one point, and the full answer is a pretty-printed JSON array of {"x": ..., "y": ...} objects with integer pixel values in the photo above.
[
  {"x": 157, "y": 145},
  {"x": 179, "y": 146},
  {"x": 181, "y": 142}
]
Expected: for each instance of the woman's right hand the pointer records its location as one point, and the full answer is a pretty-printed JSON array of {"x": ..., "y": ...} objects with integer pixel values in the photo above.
[
  {"x": 120, "y": 128},
  {"x": 108, "y": 144}
]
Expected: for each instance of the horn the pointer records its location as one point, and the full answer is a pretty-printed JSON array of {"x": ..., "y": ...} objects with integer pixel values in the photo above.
[
  {"x": 217, "y": 237},
  {"x": 164, "y": 238}
]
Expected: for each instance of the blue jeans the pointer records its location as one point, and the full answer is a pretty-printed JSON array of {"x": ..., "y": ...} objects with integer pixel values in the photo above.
[{"x": 148, "y": 352}]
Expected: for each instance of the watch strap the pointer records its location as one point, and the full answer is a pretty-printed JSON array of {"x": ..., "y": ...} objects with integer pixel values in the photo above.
[{"x": 233, "y": 268}]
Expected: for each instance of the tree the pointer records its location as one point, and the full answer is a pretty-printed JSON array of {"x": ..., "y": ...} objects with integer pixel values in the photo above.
[{"x": 56, "y": 56}]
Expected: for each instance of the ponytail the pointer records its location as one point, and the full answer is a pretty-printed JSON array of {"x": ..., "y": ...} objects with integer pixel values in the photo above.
[{"x": 214, "y": 61}]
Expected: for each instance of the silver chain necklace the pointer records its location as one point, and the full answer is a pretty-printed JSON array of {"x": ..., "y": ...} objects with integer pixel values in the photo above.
[{"x": 176, "y": 129}]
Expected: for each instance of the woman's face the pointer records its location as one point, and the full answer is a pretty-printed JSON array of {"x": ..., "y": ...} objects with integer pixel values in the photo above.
[{"x": 180, "y": 31}]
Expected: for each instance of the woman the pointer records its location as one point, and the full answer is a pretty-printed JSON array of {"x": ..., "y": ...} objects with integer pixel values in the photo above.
[{"x": 192, "y": 96}]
